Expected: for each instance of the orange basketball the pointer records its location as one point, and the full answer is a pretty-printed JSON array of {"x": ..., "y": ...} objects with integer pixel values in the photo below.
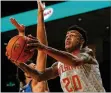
[{"x": 16, "y": 49}]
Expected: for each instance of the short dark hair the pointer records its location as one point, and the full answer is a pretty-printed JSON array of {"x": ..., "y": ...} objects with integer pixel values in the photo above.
[{"x": 81, "y": 31}]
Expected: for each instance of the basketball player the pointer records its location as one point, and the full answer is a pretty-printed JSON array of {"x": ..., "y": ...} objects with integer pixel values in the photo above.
[
  {"x": 34, "y": 85},
  {"x": 77, "y": 66}
]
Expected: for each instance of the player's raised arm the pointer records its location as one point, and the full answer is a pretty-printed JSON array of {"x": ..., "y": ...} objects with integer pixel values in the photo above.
[
  {"x": 42, "y": 37},
  {"x": 49, "y": 73},
  {"x": 62, "y": 56},
  {"x": 36, "y": 75},
  {"x": 41, "y": 56},
  {"x": 41, "y": 32}
]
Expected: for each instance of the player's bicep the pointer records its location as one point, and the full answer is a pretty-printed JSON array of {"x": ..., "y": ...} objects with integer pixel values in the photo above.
[
  {"x": 55, "y": 70},
  {"x": 49, "y": 73}
]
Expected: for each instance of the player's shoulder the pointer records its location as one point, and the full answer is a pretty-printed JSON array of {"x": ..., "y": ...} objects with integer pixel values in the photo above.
[
  {"x": 87, "y": 50},
  {"x": 89, "y": 53}
]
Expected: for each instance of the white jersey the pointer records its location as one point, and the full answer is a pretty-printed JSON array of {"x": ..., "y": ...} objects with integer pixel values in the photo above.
[{"x": 84, "y": 78}]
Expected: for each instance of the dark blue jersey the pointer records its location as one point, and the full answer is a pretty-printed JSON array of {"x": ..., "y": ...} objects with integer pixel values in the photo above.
[{"x": 26, "y": 88}]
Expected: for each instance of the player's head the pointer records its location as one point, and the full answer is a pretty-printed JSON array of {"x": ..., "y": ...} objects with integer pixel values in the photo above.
[{"x": 75, "y": 38}]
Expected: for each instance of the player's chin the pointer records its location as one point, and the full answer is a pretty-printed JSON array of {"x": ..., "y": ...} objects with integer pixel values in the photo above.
[{"x": 67, "y": 47}]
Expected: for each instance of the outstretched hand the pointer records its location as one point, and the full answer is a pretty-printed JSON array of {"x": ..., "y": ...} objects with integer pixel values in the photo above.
[
  {"x": 41, "y": 6},
  {"x": 33, "y": 43},
  {"x": 20, "y": 27}
]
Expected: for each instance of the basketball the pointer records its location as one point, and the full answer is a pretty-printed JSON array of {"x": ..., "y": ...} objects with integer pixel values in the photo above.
[{"x": 16, "y": 49}]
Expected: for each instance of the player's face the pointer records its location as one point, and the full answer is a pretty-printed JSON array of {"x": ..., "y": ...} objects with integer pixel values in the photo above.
[
  {"x": 32, "y": 65},
  {"x": 72, "y": 40}
]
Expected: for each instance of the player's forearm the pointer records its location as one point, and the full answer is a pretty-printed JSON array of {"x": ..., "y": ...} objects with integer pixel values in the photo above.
[
  {"x": 41, "y": 32},
  {"x": 41, "y": 35},
  {"x": 38, "y": 76},
  {"x": 32, "y": 72},
  {"x": 61, "y": 56},
  {"x": 41, "y": 61}
]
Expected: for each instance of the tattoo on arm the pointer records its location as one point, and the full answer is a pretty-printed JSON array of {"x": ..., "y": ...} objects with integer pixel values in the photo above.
[
  {"x": 86, "y": 58},
  {"x": 49, "y": 73},
  {"x": 34, "y": 73}
]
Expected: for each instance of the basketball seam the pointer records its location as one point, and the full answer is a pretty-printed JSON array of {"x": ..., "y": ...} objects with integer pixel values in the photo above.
[
  {"x": 21, "y": 51},
  {"x": 13, "y": 46},
  {"x": 26, "y": 57}
]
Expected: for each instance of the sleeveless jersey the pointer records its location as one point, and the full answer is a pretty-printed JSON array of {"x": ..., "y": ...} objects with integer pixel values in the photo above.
[
  {"x": 83, "y": 78},
  {"x": 26, "y": 88}
]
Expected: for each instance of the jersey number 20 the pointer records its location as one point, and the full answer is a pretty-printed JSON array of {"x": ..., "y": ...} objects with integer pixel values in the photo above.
[{"x": 75, "y": 81}]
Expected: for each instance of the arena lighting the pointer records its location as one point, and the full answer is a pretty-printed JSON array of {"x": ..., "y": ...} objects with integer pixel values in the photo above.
[{"x": 53, "y": 12}]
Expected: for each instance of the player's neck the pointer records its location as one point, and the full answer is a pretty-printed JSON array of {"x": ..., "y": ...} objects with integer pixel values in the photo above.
[
  {"x": 76, "y": 51},
  {"x": 71, "y": 50}
]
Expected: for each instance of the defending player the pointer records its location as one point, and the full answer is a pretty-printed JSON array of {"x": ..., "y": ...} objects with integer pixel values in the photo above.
[{"x": 33, "y": 85}]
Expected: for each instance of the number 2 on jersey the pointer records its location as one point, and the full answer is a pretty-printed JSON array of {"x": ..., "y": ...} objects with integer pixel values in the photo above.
[{"x": 75, "y": 81}]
